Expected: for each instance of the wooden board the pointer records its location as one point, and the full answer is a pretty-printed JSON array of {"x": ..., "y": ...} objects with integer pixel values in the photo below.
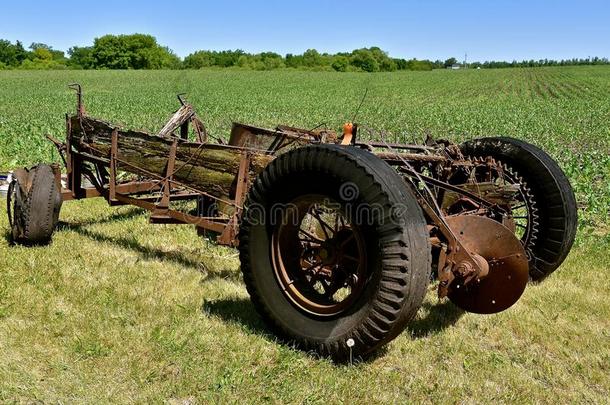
[{"x": 207, "y": 167}]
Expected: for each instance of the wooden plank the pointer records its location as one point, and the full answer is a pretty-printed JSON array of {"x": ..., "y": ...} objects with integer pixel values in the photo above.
[{"x": 210, "y": 169}]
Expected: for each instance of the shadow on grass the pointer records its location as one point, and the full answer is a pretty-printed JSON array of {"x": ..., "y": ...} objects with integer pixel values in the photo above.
[
  {"x": 125, "y": 214},
  {"x": 8, "y": 237},
  {"x": 241, "y": 312},
  {"x": 145, "y": 252},
  {"x": 440, "y": 316}
]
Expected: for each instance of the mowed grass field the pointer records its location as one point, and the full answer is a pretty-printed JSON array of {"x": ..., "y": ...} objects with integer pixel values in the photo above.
[{"x": 117, "y": 310}]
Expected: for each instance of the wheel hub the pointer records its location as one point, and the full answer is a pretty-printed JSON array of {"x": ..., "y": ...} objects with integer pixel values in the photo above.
[{"x": 319, "y": 257}]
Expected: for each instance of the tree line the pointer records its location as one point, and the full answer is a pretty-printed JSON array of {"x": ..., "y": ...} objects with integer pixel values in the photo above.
[{"x": 141, "y": 51}]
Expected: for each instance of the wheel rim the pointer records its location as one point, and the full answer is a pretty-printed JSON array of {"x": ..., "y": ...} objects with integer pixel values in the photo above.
[
  {"x": 318, "y": 256},
  {"x": 13, "y": 208}
]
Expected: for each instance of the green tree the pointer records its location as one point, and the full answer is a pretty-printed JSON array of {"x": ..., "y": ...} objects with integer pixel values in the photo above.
[
  {"x": 12, "y": 55},
  {"x": 363, "y": 59},
  {"x": 294, "y": 61},
  {"x": 312, "y": 58},
  {"x": 415, "y": 64},
  {"x": 8, "y": 55},
  {"x": 136, "y": 51},
  {"x": 199, "y": 59},
  {"x": 81, "y": 57},
  {"x": 340, "y": 64},
  {"x": 449, "y": 62},
  {"x": 43, "y": 50},
  {"x": 243, "y": 61}
]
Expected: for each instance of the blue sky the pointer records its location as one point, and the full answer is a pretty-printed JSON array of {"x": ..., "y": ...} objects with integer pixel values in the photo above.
[{"x": 486, "y": 30}]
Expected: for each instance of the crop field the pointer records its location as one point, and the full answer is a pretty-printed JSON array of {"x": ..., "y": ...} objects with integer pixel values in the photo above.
[{"x": 117, "y": 310}]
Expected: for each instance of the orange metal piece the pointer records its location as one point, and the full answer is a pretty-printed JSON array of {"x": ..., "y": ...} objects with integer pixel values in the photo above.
[{"x": 348, "y": 133}]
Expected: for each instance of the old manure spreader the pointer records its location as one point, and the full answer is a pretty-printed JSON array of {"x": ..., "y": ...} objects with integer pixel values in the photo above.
[{"x": 338, "y": 236}]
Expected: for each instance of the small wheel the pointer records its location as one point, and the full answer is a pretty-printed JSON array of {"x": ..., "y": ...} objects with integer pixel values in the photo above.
[
  {"x": 33, "y": 205},
  {"x": 333, "y": 247},
  {"x": 548, "y": 201}
]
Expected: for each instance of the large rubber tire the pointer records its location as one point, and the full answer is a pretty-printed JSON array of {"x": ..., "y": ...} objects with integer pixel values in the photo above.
[
  {"x": 552, "y": 193},
  {"x": 34, "y": 204},
  {"x": 397, "y": 249}
]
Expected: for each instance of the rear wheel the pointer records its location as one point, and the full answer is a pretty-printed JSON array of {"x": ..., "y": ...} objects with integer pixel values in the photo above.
[
  {"x": 546, "y": 217},
  {"x": 334, "y": 249},
  {"x": 33, "y": 205}
]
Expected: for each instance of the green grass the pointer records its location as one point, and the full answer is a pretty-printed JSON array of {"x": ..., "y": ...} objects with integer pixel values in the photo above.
[
  {"x": 117, "y": 310},
  {"x": 566, "y": 111}
]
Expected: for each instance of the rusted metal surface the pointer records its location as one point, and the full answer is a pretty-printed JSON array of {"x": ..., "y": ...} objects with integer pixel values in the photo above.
[
  {"x": 394, "y": 158},
  {"x": 482, "y": 266},
  {"x": 501, "y": 254}
]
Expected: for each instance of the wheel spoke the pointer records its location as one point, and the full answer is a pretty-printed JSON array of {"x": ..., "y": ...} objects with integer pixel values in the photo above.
[
  {"x": 312, "y": 238},
  {"x": 313, "y": 266},
  {"x": 330, "y": 288},
  {"x": 346, "y": 241},
  {"x": 316, "y": 214},
  {"x": 351, "y": 258}
]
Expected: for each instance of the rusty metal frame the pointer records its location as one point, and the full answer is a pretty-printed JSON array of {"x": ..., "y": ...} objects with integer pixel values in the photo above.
[{"x": 137, "y": 193}]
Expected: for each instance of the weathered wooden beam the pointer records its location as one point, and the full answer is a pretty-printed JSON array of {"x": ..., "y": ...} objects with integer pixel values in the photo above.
[
  {"x": 180, "y": 117},
  {"x": 204, "y": 167}
]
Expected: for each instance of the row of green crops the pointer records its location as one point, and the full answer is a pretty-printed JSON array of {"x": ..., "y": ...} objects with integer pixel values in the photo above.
[{"x": 566, "y": 111}]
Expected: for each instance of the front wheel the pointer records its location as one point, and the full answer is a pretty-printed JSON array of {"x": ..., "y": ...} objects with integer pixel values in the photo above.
[{"x": 334, "y": 250}]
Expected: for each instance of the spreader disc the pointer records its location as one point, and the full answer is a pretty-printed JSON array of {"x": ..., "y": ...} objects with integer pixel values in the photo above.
[{"x": 508, "y": 265}]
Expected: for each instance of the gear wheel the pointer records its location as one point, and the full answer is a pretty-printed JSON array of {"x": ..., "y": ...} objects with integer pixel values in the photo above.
[{"x": 524, "y": 213}]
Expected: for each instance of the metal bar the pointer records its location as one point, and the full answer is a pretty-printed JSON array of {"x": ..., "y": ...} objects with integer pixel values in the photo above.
[
  {"x": 391, "y": 157},
  {"x": 114, "y": 145},
  {"x": 125, "y": 188},
  {"x": 174, "y": 197},
  {"x": 180, "y": 217},
  {"x": 69, "y": 152},
  {"x": 385, "y": 145},
  {"x": 451, "y": 187},
  {"x": 92, "y": 158},
  {"x": 76, "y": 176},
  {"x": 229, "y": 234},
  {"x": 242, "y": 180},
  {"x": 169, "y": 173}
]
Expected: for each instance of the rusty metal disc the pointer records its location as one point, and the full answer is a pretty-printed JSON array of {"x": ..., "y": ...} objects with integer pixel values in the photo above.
[{"x": 508, "y": 265}]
